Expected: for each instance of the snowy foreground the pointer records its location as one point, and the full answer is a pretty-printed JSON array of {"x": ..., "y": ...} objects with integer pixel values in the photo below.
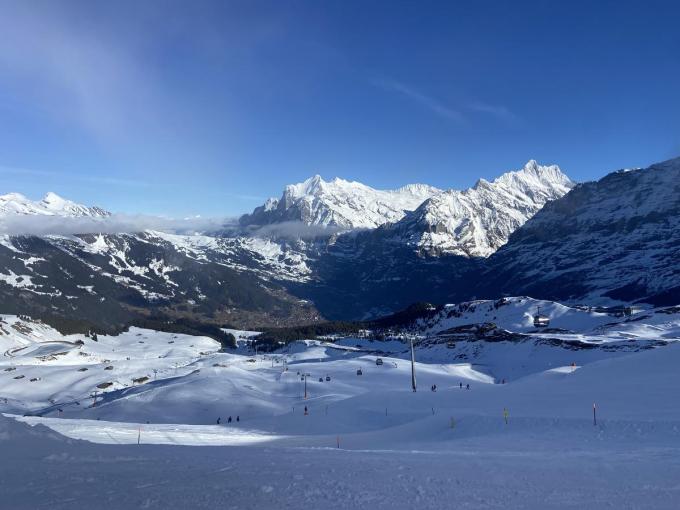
[{"x": 366, "y": 440}]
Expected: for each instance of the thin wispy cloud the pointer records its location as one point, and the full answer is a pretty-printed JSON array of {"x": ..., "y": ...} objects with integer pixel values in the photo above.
[
  {"x": 79, "y": 71},
  {"x": 42, "y": 225},
  {"x": 446, "y": 111},
  {"x": 9, "y": 170},
  {"x": 498, "y": 111},
  {"x": 428, "y": 102},
  {"x": 293, "y": 230},
  {"x": 241, "y": 196}
]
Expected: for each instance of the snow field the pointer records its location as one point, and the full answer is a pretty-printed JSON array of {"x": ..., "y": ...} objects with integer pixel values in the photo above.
[{"x": 366, "y": 440}]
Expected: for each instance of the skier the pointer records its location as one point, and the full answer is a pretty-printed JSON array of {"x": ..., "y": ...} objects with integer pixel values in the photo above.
[
  {"x": 467, "y": 387},
  {"x": 219, "y": 419},
  {"x": 238, "y": 419},
  {"x": 229, "y": 420},
  {"x": 461, "y": 386},
  {"x": 306, "y": 412}
]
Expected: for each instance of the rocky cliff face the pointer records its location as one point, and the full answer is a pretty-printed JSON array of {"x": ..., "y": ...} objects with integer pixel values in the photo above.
[{"x": 614, "y": 239}]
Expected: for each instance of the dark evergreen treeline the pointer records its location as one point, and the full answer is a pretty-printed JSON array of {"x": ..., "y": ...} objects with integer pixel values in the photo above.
[
  {"x": 270, "y": 338},
  {"x": 187, "y": 327},
  {"x": 380, "y": 328},
  {"x": 72, "y": 326},
  {"x": 69, "y": 326}
]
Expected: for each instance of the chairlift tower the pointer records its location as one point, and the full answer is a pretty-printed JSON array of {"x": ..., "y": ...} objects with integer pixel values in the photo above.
[
  {"x": 305, "y": 376},
  {"x": 413, "y": 366}
]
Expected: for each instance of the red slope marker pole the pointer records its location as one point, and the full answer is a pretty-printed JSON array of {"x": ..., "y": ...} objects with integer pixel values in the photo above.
[{"x": 594, "y": 416}]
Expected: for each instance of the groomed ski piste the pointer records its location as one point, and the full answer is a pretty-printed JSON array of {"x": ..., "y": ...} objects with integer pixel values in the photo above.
[{"x": 581, "y": 415}]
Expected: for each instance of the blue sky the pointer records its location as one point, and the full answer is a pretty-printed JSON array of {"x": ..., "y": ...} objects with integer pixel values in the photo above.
[{"x": 182, "y": 108}]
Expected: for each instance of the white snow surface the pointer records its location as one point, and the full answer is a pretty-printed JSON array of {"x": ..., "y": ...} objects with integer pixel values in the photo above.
[{"x": 366, "y": 440}]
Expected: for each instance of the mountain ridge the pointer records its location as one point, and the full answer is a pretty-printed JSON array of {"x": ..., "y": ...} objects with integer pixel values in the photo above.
[
  {"x": 604, "y": 242},
  {"x": 50, "y": 205}
]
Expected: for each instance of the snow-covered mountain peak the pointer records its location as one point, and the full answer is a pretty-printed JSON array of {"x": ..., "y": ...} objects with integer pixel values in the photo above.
[
  {"x": 419, "y": 189},
  {"x": 340, "y": 203},
  {"x": 13, "y": 197},
  {"x": 477, "y": 221},
  {"x": 532, "y": 166},
  {"x": 449, "y": 216},
  {"x": 310, "y": 186},
  {"x": 536, "y": 176},
  {"x": 271, "y": 203},
  {"x": 50, "y": 205},
  {"x": 53, "y": 201}
]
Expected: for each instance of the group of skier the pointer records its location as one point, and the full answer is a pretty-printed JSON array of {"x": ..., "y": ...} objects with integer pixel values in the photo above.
[
  {"x": 467, "y": 386},
  {"x": 219, "y": 419}
]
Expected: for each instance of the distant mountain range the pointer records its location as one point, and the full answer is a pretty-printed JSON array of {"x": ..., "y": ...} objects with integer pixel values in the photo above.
[
  {"x": 51, "y": 205},
  {"x": 341, "y": 249},
  {"x": 339, "y": 203}
]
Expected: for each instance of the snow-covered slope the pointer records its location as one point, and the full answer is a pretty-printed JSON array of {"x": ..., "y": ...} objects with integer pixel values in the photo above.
[
  {"x": 366, "y": 441},
  {"x": 50, "y": 205},
  {"x": 339, "y": 203},
  {"x": 516, "y": 315},
  {"x": 479, "y": 220},
  {"x": 582, "y": 324},
  {"x": 176, "y": 378}
]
